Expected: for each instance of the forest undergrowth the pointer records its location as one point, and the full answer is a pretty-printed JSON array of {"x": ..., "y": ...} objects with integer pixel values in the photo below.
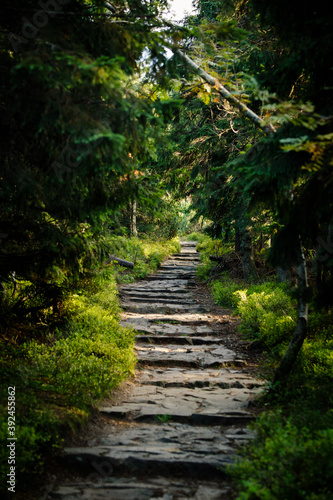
[
  {"x": 61, "y": 364},
  {"x": 291, "y": 455}
]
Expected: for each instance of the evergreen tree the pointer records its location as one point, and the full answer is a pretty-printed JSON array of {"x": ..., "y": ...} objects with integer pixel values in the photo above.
[{"x": 73, "y": 127}]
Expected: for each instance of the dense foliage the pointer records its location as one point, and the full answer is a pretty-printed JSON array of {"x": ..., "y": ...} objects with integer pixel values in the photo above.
[{"x": 76, "y": 127}]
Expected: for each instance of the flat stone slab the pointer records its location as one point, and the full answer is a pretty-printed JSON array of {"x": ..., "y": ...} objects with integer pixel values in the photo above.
[
  {"x": 161, "y": 308},
  {"x": 177, "y": 284},
  {"x": 184, "y": 257},
  {"x": 132, "y": 488},
  {"x": 185, "y": 324},
  {"x": 151, "y": 288},
  {"x": 161, "y": 294},
  {"x": 169, "y": 276},
  {"x": 182, "y": 319},
  {"x": 181, "y": 377},
  {"x": 172, "y": 265},
  {"x": 178, "y": 339},
  {"x": 203, "y": 406},
  {"x": 162, "y": 300},
  {"x": 166, "y": 329},
  {"x": 168, "y": 447},
  {"x": 185, "y": 243},
  {"x": 195, "y": 356}
]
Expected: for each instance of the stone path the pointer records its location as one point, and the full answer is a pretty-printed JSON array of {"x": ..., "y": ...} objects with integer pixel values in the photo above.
[{"x": 173, "y": 434}]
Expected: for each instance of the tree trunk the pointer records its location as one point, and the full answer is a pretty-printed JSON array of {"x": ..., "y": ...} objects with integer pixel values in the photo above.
[
  {"x": 121, "y": 262},
  {"x": 298, "y": 338},
  {"x": 237, "y": 241},
  {"x": 283, "y": 275},
  {"x": 249, "y": 272},
  {"x": 134, "y": 207}
]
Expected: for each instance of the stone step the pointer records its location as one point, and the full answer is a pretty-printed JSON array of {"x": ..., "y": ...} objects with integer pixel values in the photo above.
[
  {"x": 165, "y": 308},
  {"x": 182, "y": 377},
  {"x": 155, "y": 293},
  {"x": 108, "y": 487},
  {"x": 193, "y": 356},
  {"x": 178, "y": 339},
  {"x": 199, "y": 406},
  {"x": 149, "y": 449},
  {"x": 174, "y": 268},
  {"x": 146, "y": 287},
  {"x": 170, "y": 276},
  {"x": 185, "y": 243},
  {"x": 175, "y": 324},
  {"x": 184, "y": 257},
  {"x": 187, "y": 251},
  {"x": 161, "y": 300},
  {"x": 166, "y": 328},
  {"x": 179, "y": 264}
]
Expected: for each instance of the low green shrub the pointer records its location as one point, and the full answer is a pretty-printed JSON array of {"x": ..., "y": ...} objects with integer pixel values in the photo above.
[
  {"x": 267, "y": 310},
  {"x": 285, "y": 461},
  {"x": 224, "y": 292},
  {"x": 204, "y": 270},
  {"x": 268, "y": 313},
  {"x": 197, "y": 236}
]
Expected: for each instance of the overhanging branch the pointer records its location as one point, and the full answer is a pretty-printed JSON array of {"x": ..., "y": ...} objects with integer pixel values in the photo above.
[{"x": 268, "y": 128}]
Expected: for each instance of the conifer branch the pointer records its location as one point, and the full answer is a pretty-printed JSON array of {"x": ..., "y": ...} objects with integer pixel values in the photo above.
[{"x": 268, "y": 128}]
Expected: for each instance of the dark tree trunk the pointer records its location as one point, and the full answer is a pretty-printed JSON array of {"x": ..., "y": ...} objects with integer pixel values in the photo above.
[
  {"x": 237, "y": 241},
  {"x": 283, "y": 275},
  {"x": 298, "y": 338},
  {"x": 249, "y": 272},
  {"x": 121, "y": 262}
]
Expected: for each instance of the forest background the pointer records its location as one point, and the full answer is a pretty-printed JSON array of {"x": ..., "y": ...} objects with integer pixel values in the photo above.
[{"x": 118, "y": 123}]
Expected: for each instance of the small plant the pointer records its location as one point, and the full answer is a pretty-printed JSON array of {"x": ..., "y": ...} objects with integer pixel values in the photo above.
[{"x": 163, "y": 419}]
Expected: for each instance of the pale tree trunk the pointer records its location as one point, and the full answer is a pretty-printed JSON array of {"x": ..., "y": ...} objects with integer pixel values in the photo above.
[
  {"x": 134, "y": 208},
  {"x": 298, "y": 338}
]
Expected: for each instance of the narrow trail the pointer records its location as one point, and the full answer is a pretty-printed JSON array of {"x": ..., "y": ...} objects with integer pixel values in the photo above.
[{"x": 177, "y": 427}]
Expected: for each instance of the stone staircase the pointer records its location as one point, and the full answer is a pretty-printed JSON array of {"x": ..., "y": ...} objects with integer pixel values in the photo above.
[{"x": 172, "y": 436}]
